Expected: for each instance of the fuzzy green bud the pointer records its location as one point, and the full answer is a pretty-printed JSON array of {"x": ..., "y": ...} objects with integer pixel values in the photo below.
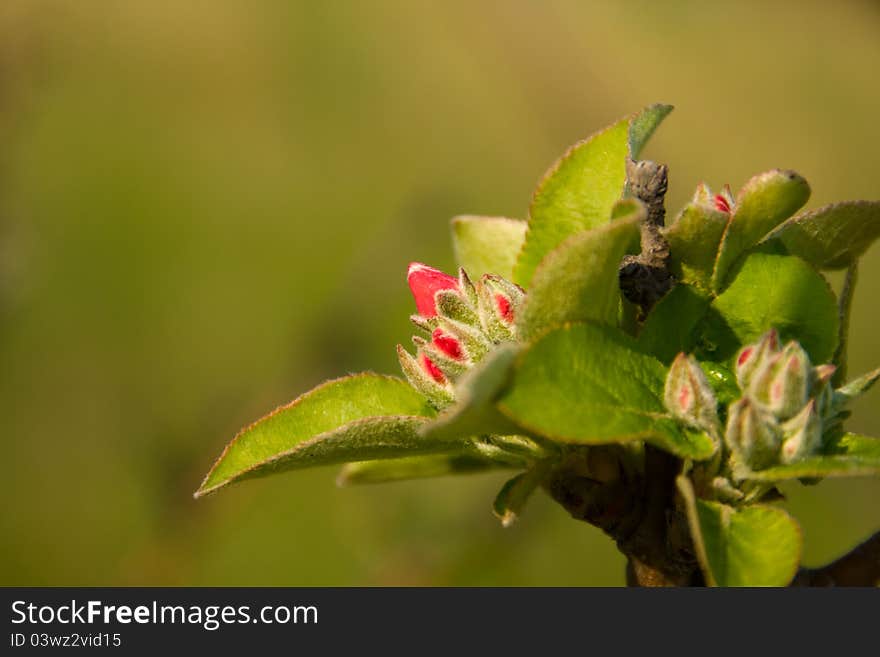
[
  {"x": 752, "y": 435},
  {"x": 802, "y": 435},
  {"x": 783, "y": 384},
  {"x": 424, "y": 375},
  {"x": 689, "y": 397},
  {"x": 754, "y": 357}
]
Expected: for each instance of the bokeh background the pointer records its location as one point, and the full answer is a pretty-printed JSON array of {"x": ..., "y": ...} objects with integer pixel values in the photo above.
[{"x": 208, "y": 207}]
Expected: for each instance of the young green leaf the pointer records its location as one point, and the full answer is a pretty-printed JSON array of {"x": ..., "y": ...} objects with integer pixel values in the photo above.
[
  {"x": 762, "y": 204},
  {"x": 753, "y": 546},
  {"x": 578, "y": 279},
  {"x": 576, "y": 194},
  {"x": 512, "y": 497},
  {"x": 474, "y": 412},
  {"x": 773, "y": 291},
  {"x": 670, "y": 327},
  {"x": 833, "y": 236},
  {"x": 589, "y": 384},
  {"x": 643, "y": 125},
  {"x": 694, "y": 239},
  {"x": 487, "y": 245},
  {"x": 358, "y": 417},
  {"x": 848, "y": 455},
  {"x": 414, "y": 467}
]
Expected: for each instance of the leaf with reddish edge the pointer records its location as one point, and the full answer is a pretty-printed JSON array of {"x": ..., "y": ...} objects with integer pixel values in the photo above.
[{"x": 359, "y": 417}]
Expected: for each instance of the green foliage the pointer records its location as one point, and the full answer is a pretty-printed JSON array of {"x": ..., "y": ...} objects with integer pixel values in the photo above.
[
  {"x": 847, "y": 455},
  {"x": 771, "y": 291},
  {"x": 541, "y": 366},
  {"x": 589, "y": 384},
  {"x": 349, "y": 419},
  {"x": 414, "y": 467},
  {"x": 755, "y": 546},
  {"x": 833, "y": 236},
  {"x": 766, "y": 201},
  {"x": 487, "y": 245},
  {"x": 577, "y": 280},
  {"x": 581, "y": 188}
]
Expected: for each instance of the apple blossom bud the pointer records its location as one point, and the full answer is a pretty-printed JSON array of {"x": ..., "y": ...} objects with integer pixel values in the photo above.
[
  {"x": 448, "y": 344},
  {"x": 451, "y": 304},
  {"x": 474, "y": 343},
  {"x": 424, "y": 375},
  {"x": 752, "y": 435},
  {"x": 437, "y": 361},
  {"x": 822, "y": 390},
  {"x": 753, "y": 357},
  {"x": 466, "y": 287},
  {"x": 790, "y": 389},
  {"x": 802, "y": 435},
  {"x": 702, "y": 195},
  {"x": 425, "y": 282},
  {"x": 688, "y": 395},
  {"x": 500, "y": 301}
]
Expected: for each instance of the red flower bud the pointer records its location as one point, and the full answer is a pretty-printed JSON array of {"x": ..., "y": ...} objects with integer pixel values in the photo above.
[
  {"x": 432, "y": 369},
  {"x": 425, "y": 282},
  {"x": 447, "y": 344}
]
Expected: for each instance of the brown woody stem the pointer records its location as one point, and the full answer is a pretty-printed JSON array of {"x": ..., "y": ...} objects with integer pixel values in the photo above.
[{"x": 859, "y": 567}]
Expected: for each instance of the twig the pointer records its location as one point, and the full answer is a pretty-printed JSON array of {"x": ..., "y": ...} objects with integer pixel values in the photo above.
[
  {"x": 645, "y": 278},
  {"x": 859, "y": 567}
]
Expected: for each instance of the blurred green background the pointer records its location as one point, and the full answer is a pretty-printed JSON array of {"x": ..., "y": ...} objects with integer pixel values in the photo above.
[{"x": 208, "y": 207}]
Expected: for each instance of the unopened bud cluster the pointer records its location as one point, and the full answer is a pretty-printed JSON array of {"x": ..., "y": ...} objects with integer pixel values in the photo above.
[
  {"x": 461, "y": 322},
  {"x": 786, "y": 408},
  {"x": 785, "y": 404}
]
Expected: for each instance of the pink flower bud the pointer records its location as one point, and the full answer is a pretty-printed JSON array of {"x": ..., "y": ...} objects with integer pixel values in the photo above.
[
  {"x": 504, "y": 308},
  {"x": 802, "y": 435},
  {"x": 425, "y": 282},
  {"x": 447, "y": 344},
  {"x": 688, "y": 395},
  {"x": 752, "y": 435},
  {"x": 754, "y": 357},
  {"x": 721, "y": 204}
]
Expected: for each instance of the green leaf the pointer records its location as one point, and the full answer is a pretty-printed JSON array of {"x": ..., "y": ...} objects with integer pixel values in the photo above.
[
  {"x": 848, "y": 455},
  {"x": 753, "y": 546},
  {"x": 512, "y": 497},
  {"x": 578, "y": 279},
  {"x": 773, "y": 291},
  {"x": 588, "y": 384},
  {"x": 762, "y": 204},
  {"x": 694, "y": 239},
  {"x": 670, "y": 327},
  {"x": 856, "y": 388},
  {"x": 576, "y": 194},
  {"x": 488, "y": 245},
  {"x": 474, "y": 412},
  {"x": 643, "y": 125},
  {"x": 833, "y": 236},
  {"x": 359, "y": 417},
  {"x": 414, "y": 467}
]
